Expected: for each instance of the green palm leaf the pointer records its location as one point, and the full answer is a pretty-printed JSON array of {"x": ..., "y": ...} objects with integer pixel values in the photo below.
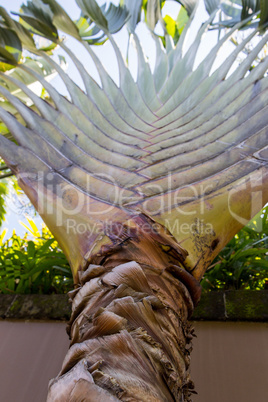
[{"x": 180, "y": 144}]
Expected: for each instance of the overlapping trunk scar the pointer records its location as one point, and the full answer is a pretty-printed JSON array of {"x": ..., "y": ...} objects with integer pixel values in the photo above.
[{"x": 129, "y": 330}]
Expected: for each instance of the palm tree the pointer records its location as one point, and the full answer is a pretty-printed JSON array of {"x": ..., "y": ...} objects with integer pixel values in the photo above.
[{"x": 142, "y": 184}]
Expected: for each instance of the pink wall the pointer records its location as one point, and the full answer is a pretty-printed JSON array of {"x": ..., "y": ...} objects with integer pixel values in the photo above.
[{"x": 229, "y": 361}]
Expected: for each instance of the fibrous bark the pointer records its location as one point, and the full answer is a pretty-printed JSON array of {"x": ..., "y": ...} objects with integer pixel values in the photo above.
[{"x": 129, "y": 329}]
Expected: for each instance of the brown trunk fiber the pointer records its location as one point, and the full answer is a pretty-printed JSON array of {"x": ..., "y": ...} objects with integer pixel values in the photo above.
[{"x": 129, "y": 330}]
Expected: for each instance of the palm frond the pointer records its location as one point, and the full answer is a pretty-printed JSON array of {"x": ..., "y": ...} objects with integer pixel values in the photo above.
[{"x": 186, "y": 146}]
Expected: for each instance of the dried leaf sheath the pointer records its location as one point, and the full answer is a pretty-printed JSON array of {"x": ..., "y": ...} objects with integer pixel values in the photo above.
[{"x": 129, "y": 330}]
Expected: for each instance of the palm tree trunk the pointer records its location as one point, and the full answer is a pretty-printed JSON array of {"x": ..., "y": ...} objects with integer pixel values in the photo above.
[{"x": 129, "y": 329}]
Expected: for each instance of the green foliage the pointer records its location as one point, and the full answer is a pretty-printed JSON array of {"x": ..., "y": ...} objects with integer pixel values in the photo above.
[
  {"x": 243, "y": 263},
  {"x": 33, "y": 266},
  {"x": 39, "y": 266},
  {"x": 3, "y": 191},
  {"x": 175, "y": 28},
  {"x": 236, "y": 10}
]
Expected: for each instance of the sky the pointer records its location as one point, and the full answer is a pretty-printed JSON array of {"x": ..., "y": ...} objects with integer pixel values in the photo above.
[
  {"x": 105, "y": 52},
  {"x": 107, "y": 56}
]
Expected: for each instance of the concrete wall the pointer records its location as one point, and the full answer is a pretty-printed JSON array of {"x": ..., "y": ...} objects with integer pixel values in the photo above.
[{"x": 229, "y": 361}]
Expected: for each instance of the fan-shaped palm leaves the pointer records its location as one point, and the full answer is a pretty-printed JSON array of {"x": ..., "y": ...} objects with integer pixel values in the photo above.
[{"x": 181, "y": 148}]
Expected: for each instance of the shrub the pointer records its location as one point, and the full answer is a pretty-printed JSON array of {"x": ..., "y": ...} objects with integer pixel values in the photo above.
[
  {"x": 33, "y": 266},
  {"x": 243, "y": 263},
  {"x": 39, "y": 265}
]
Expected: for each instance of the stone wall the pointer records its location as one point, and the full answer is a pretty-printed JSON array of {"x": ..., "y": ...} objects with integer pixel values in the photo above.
[{"x": 241, "y": 305}]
